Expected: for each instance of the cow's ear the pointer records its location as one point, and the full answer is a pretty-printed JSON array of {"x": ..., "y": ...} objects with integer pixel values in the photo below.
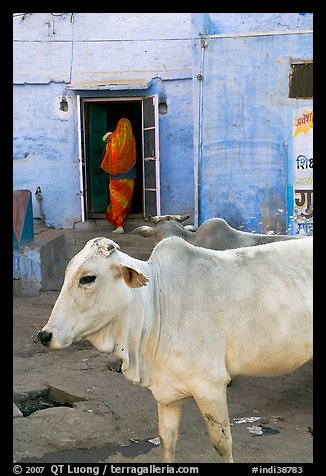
[
  {"x": 146, "y": 231},
  {"x": 132, "y": 277}
]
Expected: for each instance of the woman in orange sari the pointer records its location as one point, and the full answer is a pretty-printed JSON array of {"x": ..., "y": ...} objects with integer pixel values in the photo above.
[{"x": 119, "y": 162}]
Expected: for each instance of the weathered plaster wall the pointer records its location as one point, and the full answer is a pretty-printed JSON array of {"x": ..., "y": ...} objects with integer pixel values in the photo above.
[
  {"x": 244, "y": 107},
  {"x": 45, "y": 151},
  {"x": 258, "y": 22},
  {"x": 176, "y": 157},
  {"x": 246, "y": 125},
  {"x": 90, "y": 49}
]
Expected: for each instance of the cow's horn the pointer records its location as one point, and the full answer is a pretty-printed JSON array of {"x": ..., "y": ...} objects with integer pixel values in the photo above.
[{"x": 107, "y": 247}]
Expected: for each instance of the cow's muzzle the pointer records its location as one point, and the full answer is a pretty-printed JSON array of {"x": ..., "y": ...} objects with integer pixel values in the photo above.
[{"x": 44, "y": 337}]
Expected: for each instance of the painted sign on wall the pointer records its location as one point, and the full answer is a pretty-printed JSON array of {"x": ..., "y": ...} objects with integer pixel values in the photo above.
[{"x": 303, "y": 155}]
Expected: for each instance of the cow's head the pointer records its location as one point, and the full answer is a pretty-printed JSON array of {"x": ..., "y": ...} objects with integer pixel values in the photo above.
[
  {"x": 165, "y": 226},
  {"x": 160, "y": 218},
  {"x": 99, "y": 285}
]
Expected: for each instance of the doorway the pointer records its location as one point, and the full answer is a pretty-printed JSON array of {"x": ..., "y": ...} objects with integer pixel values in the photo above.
[
  {"x": 101, "y": 117},
  {"x": 97, "y": 116}
]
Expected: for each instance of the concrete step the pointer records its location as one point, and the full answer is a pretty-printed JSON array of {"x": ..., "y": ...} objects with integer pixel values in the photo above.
[
  {"x": 34, "y": 263},
  {"x": 134, "y": 245},
  {"x": 55, "y": 282},
  {"x": 75, "y": 239},
  {"x": 80, "y": 238},
  {"x": 127, "y": 245},
  {"x": 54, "y": 249}
]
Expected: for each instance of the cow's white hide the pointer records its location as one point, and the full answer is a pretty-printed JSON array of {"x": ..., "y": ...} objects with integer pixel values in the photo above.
[
  {"x": 214, "y": 233},
  {"x": 183, "y": 321}
]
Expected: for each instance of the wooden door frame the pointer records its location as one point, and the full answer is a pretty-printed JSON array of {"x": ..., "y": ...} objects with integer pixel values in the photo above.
[{"x": 83, "y": 149}]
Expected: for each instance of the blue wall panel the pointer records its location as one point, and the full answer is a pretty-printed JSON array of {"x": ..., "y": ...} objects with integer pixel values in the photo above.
[{"x": 246, "y": 129}]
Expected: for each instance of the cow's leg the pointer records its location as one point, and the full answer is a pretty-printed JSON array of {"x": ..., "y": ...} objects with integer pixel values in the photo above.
[
  {"x": 215, "y": 412},
  {"x": 168, "y": 426}
]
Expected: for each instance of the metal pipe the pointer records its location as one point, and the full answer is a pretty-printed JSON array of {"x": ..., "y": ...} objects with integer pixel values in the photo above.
[
  {"x": 80, "y": 159},
  {"x": 285, "y": 178},
  {"x": 260, "y": 33},
  {"x": 200, "y": 78},
  {"x": 39, "y": 198}
]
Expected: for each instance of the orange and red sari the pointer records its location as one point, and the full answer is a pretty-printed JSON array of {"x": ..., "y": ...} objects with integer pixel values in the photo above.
[
  {"x": 120, "y": 151},
  {"x": 121, "y": 192},
  {"x": 119, "y": 157}
]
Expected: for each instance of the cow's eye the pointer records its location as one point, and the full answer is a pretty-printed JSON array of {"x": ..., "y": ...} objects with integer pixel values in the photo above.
[{"x": 87, "y": 279}]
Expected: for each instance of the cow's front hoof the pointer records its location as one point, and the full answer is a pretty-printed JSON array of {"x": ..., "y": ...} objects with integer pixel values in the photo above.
[{"x": 44, "y": 337}]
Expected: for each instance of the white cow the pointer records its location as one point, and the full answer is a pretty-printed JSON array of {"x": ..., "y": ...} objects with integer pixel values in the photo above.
[
  {"x": 214, "y": 233},
  {"x": 187, "y": 302}
]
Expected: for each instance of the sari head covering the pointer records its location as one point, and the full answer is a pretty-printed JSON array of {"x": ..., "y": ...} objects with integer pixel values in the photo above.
[{"x": 120, "y": 151}]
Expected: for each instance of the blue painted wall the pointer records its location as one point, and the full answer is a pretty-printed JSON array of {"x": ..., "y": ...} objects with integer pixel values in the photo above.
[
  {"x": 244, "y": 144},
  {"x": 51, "y": 53},
  {"x": 45, "y": 151},
  {"x": 228, "y": 23}
]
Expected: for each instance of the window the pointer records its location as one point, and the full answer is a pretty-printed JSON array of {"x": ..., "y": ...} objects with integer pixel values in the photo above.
[{"x": 300, "y": 81}]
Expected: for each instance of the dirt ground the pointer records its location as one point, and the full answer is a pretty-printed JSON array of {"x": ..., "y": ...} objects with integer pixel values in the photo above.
[{"x": 114, "y": 420}]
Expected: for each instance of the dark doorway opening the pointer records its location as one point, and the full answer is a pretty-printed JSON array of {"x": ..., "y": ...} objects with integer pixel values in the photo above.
[{"x": 100, "y": 117}]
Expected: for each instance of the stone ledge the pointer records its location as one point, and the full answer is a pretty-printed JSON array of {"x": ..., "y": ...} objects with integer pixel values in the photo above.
[{"x": 34, "y": 264}]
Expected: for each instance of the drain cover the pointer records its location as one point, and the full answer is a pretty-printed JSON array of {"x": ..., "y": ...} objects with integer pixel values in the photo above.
[{"x": 49, "y": 397}]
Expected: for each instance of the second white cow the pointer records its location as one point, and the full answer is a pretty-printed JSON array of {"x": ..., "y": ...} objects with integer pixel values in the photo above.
[
  {"x": 187, "y": 302},
  {"x": 214, "y": 233}
]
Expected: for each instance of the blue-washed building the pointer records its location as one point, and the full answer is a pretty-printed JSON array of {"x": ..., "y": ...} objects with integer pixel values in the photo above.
[{"x": 221, "y": 106}]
